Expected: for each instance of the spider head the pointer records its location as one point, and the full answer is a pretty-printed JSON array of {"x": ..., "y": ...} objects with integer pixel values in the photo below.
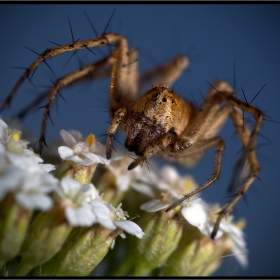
[
  {"x": 153, "y": 115},
  {"x": 159, "y": 105}
]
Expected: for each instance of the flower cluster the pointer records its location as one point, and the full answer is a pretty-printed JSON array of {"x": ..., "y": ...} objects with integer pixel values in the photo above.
[
  {"x": 26, "y": 185},
  {"x": 62, "y": 220},
  {"x": 23, "y": 173}
]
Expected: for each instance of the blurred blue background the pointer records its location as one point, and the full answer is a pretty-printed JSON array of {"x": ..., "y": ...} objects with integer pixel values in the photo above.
[{"x": 213, "y": 37}]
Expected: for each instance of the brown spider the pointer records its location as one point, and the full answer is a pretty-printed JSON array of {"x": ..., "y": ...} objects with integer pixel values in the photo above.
[{"x": 160, "y": 121}]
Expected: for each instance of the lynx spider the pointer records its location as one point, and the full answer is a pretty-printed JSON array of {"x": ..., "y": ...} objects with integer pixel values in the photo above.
[{"x": 160, "y": 121}]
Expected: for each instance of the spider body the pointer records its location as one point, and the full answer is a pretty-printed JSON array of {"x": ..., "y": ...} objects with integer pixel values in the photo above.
[{"x": 161, "y": 122}]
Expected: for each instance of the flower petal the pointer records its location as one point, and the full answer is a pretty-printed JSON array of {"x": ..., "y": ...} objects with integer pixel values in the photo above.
[
  {"x": 122, "y": 182},
  {"x": 241, "y": 256},
  {"x": 90, "y": 192},
  {"x": 81, "y": 216},
  {"x": 69, "y": 186},
  {"x": 96, "y": 158},
  {"x": 10, "y": 180},
  {"x": 143, "y": 188},
  {"x": 153, "y": 205},
  {"x": 34, "y": 201},
  {"x": 196, "y": 216},
  {"x": 68, "y": 138},
  {"x": 47, "y": 167},
  {"x": 76, "y": 135},
  {"x": 131, "y": 228},
  {"x": 169, "y": 174},
  {"x": 65, "y": 152},
  {"x": 102, "y": 214}
]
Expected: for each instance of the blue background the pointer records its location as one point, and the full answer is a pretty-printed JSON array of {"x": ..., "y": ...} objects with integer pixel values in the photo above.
[{"x": 213, "y": 36}]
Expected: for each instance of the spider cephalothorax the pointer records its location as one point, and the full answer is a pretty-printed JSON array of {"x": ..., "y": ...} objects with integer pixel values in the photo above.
[{"x": 157, "y": 113}]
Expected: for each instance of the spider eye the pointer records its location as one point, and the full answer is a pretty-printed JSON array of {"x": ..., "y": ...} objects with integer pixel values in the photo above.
[
  {"x": 164, "y": 99},
  {"x": 156, "y": 94}
]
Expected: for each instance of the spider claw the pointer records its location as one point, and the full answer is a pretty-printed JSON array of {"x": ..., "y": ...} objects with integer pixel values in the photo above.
[{"x": 135, "y": 163}]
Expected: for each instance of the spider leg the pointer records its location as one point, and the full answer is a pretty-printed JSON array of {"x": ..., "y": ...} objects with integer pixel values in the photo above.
[
  {"x": 167, "y": 73},
  {"x": 132, "y": 82},
  {"x": 189, "y": 157},
  {"x": 201, "y": 147},
  {"x": 205, "y": 119},
  {"x": 118, "y": 76},
  {"x": 119, "y": 116},
  {"x": 248, "y": 140},
  {"x": 252, "y": 164},
  {"x": 89, "y": 75},
  {"x": 123, "y": 87},
  {"x": 244, "y": 134},
  {"x": 50, "y": 53},
  {"x": 245, "y": 186},
  {"x": 257, "y": 113},
  {"x": 207, "y": 123},
  {"x": 63, "y": 82}
]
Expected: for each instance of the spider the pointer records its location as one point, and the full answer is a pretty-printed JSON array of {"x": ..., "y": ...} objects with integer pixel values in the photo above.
[{"x": 160, "y": 121}]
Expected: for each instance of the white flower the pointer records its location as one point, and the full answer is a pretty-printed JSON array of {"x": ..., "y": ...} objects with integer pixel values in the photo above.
[
  {"x": 119, "y": 218},
  {"x": 118, "y": 167},
  {"x": 201, "y": 216},
  {"x": 85, "y": 208},
  {"x": 113, "y": 218},
  {"x": 21, "y": 173},
  {"x": 196, "y": 211},
  {"x": 10, "y": 176},
  {"x": 236, "y": 235},
  {"x": 34, "y": 189},
  {"x": 11, "y": 139},
  {"x": 134, "y": 178},
  {"x": 83, "y": 153},
  {"x": 170, "y": 185},
  {"x": 78, "y": 211},
  {"x": 102, "y": 214},
  {"x": 29, "y": 182}
]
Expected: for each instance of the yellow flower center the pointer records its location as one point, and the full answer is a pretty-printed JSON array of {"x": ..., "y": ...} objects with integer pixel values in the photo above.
[
  {"x": 189, "y": 184},
  {"x": 15, "y": 135},
  {"x": 90, "y": 140},
  {"x": 241, "y": 223}
]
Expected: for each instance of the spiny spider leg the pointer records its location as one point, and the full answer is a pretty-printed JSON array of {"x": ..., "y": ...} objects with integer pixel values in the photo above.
[
  {"x": 64, "y": 81},
  {"x": 203, "y": 147},
  {"x": 50, "y": 53},
  {"x": 198, "y": 130}
]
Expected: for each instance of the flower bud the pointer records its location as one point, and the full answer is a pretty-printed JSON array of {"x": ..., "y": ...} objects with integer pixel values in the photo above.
[
  {"x": 196, "y": 254},
  {"x": 45, "y": 236},
  {"x": 13, "y": 226},
  {"x": 83, "y": 250},
  {"x": 81, "y": 173},
  {"x": 162, "y": 234}
]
